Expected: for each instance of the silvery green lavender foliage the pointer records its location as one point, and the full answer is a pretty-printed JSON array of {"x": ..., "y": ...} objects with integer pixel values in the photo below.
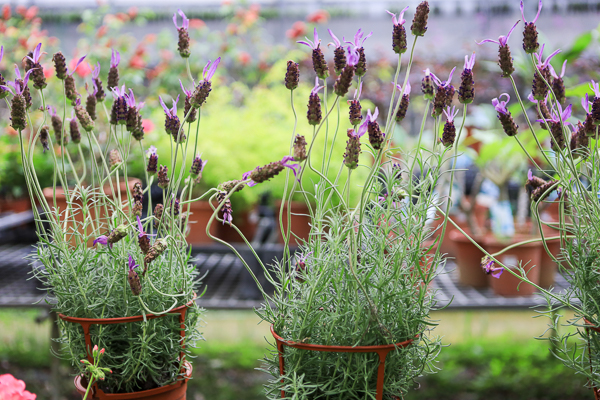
[
  {"x": 567, "y": 164},
  {"x": 102, "y": 256},
  {"x": 362, "y": 278}
]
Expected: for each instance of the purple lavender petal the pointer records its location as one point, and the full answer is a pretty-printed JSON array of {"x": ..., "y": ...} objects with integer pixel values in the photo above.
[
  {"x": 37, "y": 53},
  {"x": 335, "y": 39},
  {"x": 18, "y": 73},
  {"x": 77, "y": 65},
  {"x": 489, "y": 41},
  {"x": 394, "y": 20},
  {"x": 496, "y": 272},
  {"x": 162, "y": 103},
  {"x": 308, "y": 43},
  {"x": 101, "y": 239},
  {"x": 1, "y": 52},
  {"x": 538, "y": 13},
  {"x": 213, "y": 68},
  {"x": 26, "y": 79},
  {"x": 362, "y": 129},
  {"x": 187, "y": 92}
]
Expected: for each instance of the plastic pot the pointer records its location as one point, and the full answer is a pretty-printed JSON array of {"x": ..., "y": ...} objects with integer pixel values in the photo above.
[
  {"x": 382, "y": 351},
  {"x": 175, "y": 391},
  {"x": 528, "y": 255},
  {"x": 468, "y": 260},
  {"x": 299, "y": 220}
]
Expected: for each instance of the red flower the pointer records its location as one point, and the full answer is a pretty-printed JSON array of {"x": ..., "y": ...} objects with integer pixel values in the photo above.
[
  {"x": 48, "y": 71},
  {"x": 132, "y": 12},
  {"x": 148, "y": 125},
  {"x": 318, "y": 17},
  {"x": 137, "y": 62},
  {"x": 13, "y": 389},
  {"x": 21, "y": 10},
  {"x": 102, "y": 31},
  {"x": 196, "y": 23},
  {"x": 244, "y": 58},
  {"x": 232, "y": 29},
  {"x": 6, "y": 12},
  {"x": 297, "y": 31},
  {"x": 83, "y": 69}
]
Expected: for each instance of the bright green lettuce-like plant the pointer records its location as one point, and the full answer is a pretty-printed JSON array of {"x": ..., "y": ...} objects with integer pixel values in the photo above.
[
  {"x": 361, "y": 279},
  {"x": 102, "y": 256}
]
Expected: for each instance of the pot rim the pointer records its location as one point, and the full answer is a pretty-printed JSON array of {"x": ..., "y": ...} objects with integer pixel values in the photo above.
[
  {"x": 341, "y": 349},
  {"x": 120, "y": 320},
  {"x": 143, "y": 393}
]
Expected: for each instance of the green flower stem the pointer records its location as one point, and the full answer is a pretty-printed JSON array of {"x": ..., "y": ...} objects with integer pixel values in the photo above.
[
  {"x": 326, "y": 124},
  {"x": 398, "y": 68},
  {"x": 337, "y": 128},
  {"x": 522, "y": 278}
]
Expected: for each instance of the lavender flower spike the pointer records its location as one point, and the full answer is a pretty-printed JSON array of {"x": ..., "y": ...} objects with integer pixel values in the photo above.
[
  {"x": 539, "y": 57},
  {"x": 499, "y": 105},
  {"x": 558, "y": 85},
  {"x": 183, "y": 45},
  {"x": 539, "y": 88},
  {"x": 318, "y": 59},
  {"x": 37, "y": 53},
  {"x": 134, "y": 279},
  {"x": 505, "y": 117},
  {"x": 313, "y": 45},
  {"x": 339, "y": 55},
  {"x": 556, "y": 128},
  {"x": 530, "y": 34},
  {"x": 399, "y": 32},
  {"x": 361, "y": 64},
  {"x": 505, "y": 60}
]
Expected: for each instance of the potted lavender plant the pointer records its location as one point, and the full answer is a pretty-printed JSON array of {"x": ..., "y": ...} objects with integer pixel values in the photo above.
[
  {"x": 115, "y": 268},
  {"x": 572, "y": 156},
  {"x": 350, "y": 309}
]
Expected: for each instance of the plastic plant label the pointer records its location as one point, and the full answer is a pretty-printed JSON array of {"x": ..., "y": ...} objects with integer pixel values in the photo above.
[{"x": 502, "y": 219}]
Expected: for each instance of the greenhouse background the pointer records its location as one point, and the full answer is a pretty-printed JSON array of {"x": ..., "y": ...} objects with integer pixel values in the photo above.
[{"x": 496, "y": 343}]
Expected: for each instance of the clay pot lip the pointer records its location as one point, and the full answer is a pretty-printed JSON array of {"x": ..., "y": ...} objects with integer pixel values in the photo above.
[
  {"x": 456, "y": 236},
  {"x": 341, "y": 349},
  {"x": 143, "y": 393}
]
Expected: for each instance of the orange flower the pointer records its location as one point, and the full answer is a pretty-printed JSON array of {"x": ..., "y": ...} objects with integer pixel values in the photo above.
[
  {"x": 10, "y": 131},
  {"x": 21, "y": 10},
  {"x": 196, "y": 23},
  {"x": 318, "y": 17},
  {"x": 6, "y": 12},
  {"x": 232, "y": 29},
  {"x": 298, "y": 30},
  {"x": 48, "y": 71},
  {"x": 137, "y": 62},
  {"x": 150, "y": 38},
  {"x": 244, "y": 58},
  {"x": 132, "y": 12},
  {"x": 122, "y": 17},
  {"x": 102, "y": 31}
]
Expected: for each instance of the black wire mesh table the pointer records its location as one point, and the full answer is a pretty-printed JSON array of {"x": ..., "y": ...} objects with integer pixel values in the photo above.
[{"x": 230, "y": 286}]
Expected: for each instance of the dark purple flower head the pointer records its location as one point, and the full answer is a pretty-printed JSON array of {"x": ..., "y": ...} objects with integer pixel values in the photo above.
[
  {"x": 562, "y": 71},
  {"x": 316, "y": 89},
  {"x": 536, "y": 16},
  {"x": 557, "y": 116},
  {"x": 502, "y": 40},
  {"x": 450, "y": 113},
  {"x": 115, "y": 58},
  {"x": 353, "y": 56},
  {"x": 103, "y": 240},
  {"x": 538, "y": 57},
  {"x": 469, "y": 62},
  {"x": 132, "y": 263},
  {"x": 96, "y": 71},
  {"x": 359, "y": 39},
  {"x": 285, "y": 162},
  {"x": 400, "y": 20},
  {"x": 173, "y": 111},
  {"x": 186, "y": 22},
  {"x": 500, "y": 106},
  {"x": 313, "y": 45},
  {"x": 438, "y": 81},
  {"x": 209, "y": 69},
  {"x": 37, "y": 53},
  {"x": 76, "y": 66}
]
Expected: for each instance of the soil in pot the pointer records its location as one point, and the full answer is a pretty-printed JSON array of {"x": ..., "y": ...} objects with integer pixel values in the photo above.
[
  {"x": 300, "y": 221},
  {"x": 528, "y": 255},
  {"x": 175, "y": 391},
  {"x": 468, "y": 260}
]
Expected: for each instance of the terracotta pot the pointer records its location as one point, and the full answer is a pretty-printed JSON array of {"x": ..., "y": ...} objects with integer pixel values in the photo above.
[
  {"x": 382, "y": 351},
  {"x": 201, "y": 213},
  {"x": 548, "y": 266},
  {"x": 246, "y": 221},
  {"x": 176, "y": 391},
  {"x": 98, "y": 211},
  {"x": 468, "y": 260},
  {"x": 15, "y": 205},
  {"x": 528, "y": 255},
  {"x": 300, "y": 221}
]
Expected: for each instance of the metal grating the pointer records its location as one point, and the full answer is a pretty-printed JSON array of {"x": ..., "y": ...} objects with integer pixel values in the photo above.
[{"x": 230, "y": 286}]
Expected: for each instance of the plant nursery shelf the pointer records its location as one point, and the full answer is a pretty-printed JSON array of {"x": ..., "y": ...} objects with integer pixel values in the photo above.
[{"x": 229, "y": 286}]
